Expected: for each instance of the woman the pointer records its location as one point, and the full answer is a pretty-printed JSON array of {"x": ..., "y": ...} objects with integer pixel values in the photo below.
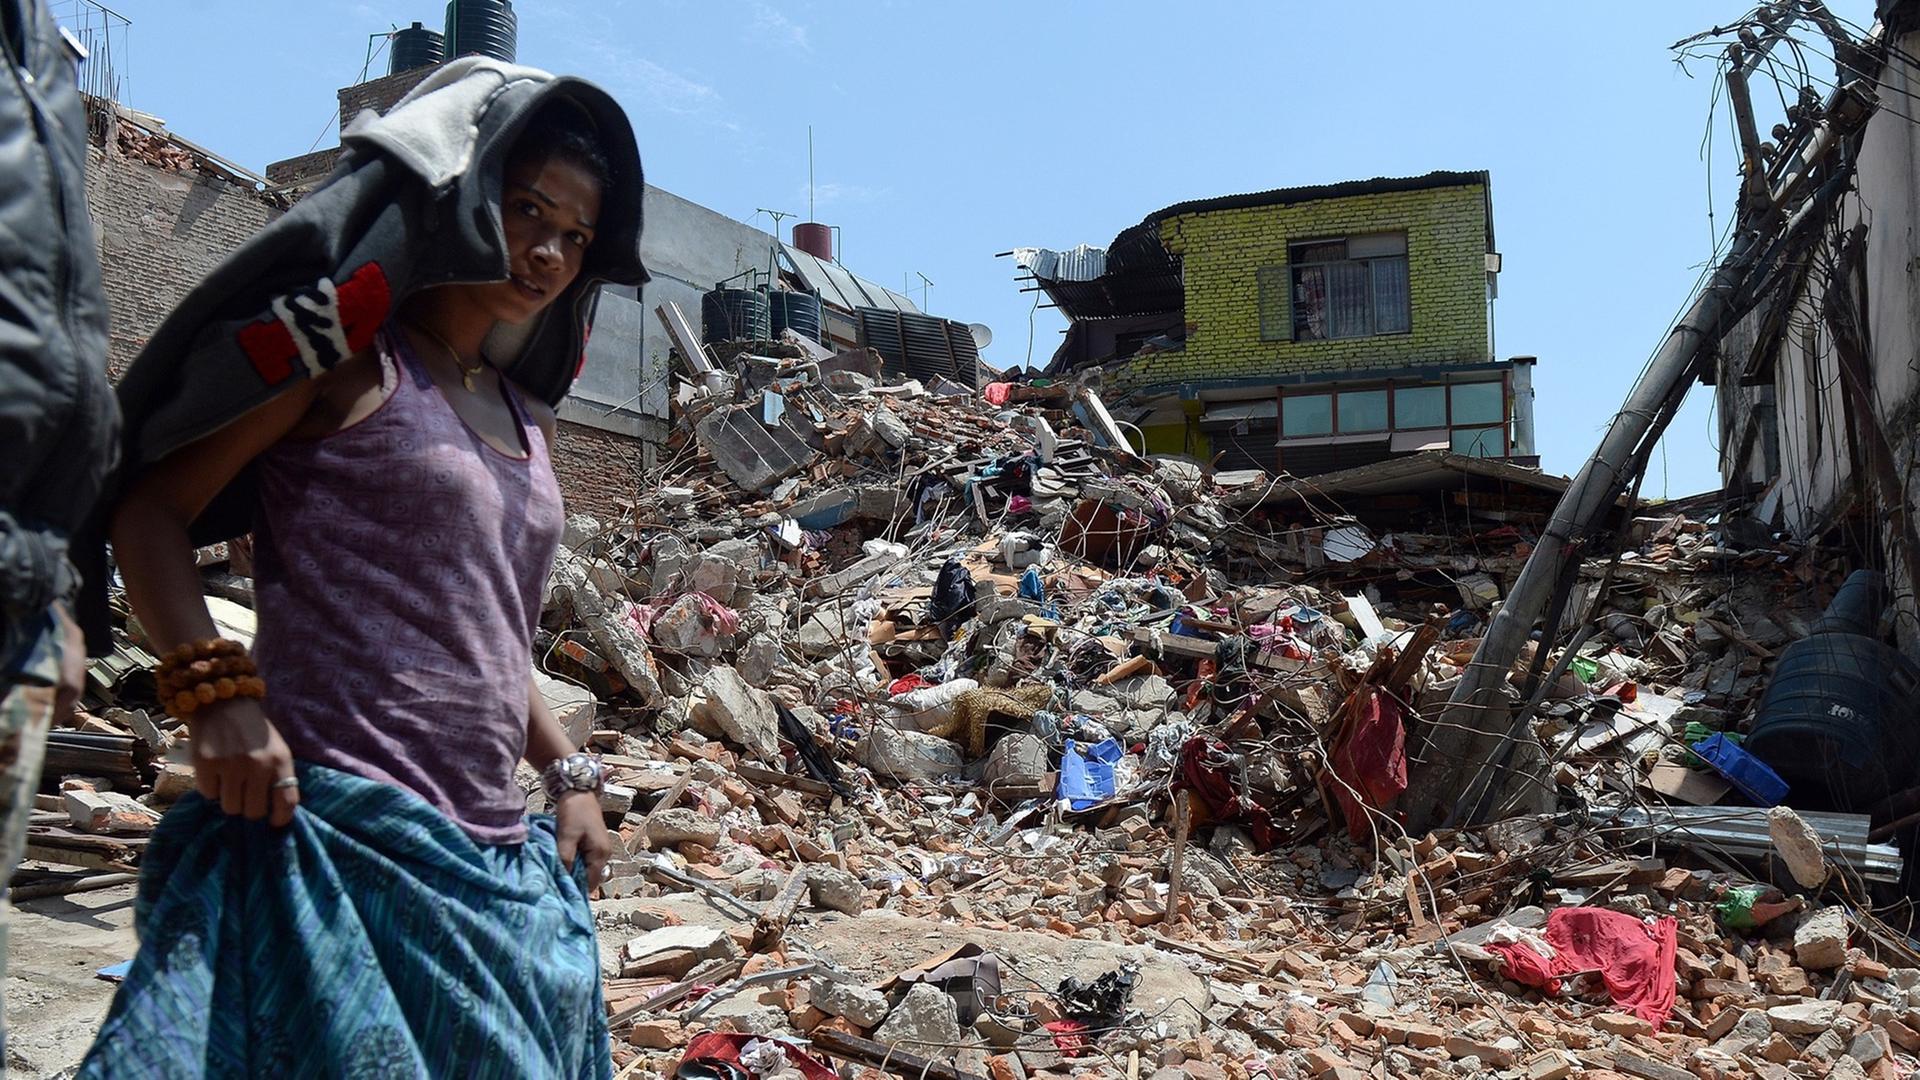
[{"x": 358, "y": 890}]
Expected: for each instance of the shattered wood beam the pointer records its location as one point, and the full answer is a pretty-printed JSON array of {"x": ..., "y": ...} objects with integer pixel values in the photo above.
[
  {"x": 885, "y": 1058},
  {"x": 771, "y": 926}
]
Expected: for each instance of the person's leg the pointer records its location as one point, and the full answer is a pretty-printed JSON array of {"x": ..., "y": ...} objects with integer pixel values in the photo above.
[{"x": 25, "y": 714}]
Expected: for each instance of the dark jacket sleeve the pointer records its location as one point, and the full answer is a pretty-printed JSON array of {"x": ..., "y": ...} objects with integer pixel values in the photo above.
[{"x": 58, "y": 420}]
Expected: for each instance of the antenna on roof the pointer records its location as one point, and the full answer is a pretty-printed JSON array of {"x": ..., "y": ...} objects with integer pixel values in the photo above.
[{"x": 810, "y": 214}]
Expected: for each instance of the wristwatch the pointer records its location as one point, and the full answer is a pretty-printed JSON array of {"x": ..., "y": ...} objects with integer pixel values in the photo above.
[{"x": 575, "y": 772}]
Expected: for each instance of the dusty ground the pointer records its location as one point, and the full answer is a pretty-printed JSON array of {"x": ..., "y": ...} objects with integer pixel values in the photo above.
[{"x": 54, "y": 1002}]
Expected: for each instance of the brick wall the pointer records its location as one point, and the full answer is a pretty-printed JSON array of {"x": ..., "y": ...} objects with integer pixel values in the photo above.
[
  {"x": 597, "y": 469},
  {"x": 307, "y": 169},
  {"x": 160, "y": 231},
  {"x": 378, "y": 94},
  {"x": 1222, "y": 252}
]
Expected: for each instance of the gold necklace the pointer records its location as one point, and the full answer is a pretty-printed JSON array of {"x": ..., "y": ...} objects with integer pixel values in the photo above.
[{"x": 466, "y": 373}]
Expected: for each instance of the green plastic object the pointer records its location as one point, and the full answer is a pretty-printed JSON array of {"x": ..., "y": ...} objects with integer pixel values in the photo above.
[
  {"x": 1699, "y": 732},
  {"x": 1587, "y": 669},
  {"x": 1735, "y": 909}
]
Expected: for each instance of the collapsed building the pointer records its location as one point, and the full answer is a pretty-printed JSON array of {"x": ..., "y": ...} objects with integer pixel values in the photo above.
[{"x": 1303, "y": 330}]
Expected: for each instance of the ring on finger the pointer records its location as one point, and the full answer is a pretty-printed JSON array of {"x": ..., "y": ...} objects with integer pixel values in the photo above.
[{"x": 286, "y": 782}]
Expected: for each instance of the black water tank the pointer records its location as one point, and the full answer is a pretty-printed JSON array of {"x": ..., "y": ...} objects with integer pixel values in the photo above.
[
  {"x": 735, "y": 315},
  {"x": 416, "y": 47},
  {"x": 797, "y": 311},
  {"x": 1838, "y": 720},
  {"x": 486, "y": 27}
]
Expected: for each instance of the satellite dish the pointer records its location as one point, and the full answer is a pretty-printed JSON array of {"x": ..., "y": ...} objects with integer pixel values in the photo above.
[{"x": 982, "y": 334}]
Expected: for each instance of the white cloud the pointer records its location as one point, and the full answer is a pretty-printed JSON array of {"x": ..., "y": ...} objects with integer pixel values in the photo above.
[
  {"x": 668, "y": 89},
  {"x": 770, "y": 23},
  {"x": 831, "y": 193}
]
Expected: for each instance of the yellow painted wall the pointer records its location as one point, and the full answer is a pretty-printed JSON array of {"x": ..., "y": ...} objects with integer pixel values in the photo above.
[{"x": 1222, "y": 252}]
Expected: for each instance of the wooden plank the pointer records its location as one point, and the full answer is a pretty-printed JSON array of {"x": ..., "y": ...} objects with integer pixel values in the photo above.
[
  {"x": 887, "y": 1058},
  {"x": 1682, "y": 784},
  {"x": 1177, "y": 864},
  {"x": 761, "y": 775},
  {"x": 667, "y": 802},
  {"x": 771, "y": 926}
]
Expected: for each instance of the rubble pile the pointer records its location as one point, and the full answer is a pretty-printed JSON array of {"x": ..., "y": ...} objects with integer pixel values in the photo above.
[{"x": 948, "y": 737}]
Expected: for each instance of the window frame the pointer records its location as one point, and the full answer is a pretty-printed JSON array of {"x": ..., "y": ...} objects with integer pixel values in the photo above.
[
  {"x": 1290, "y": 274},
  {"x": 1392, "y": 388}
]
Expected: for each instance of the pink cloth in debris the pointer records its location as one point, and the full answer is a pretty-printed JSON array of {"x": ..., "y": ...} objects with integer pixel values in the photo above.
[
  {"x": 1370, "y": 765},
  {"x": 1635, "y": 959},
  {"x": 997, "y": 393}
]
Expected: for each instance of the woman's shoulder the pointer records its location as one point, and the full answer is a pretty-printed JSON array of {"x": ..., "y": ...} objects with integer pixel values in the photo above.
[{"x": 538, "y": 410}]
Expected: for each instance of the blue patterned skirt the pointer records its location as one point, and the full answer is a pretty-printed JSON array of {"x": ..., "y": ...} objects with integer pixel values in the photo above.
[{"x": 370, "y": 938}]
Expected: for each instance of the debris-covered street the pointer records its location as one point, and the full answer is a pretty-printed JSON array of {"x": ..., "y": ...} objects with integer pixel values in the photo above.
[{"x": 1092, "y": 719}]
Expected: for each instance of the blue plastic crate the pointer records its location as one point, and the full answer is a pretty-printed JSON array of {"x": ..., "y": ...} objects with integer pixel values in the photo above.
[{"x": 1744, "y": 771}]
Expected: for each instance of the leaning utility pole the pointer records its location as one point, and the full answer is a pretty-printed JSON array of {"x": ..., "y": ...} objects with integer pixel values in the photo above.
[{"x": 1469, "y": 765}]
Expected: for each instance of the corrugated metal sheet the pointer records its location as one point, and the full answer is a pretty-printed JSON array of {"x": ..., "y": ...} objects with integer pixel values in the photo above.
[
  {"x": 1083, "y": 263},
  {"x": 924, "y": 347},
  {"x": 838, "y": 287},
  {"x": 1134, "y": 275}
]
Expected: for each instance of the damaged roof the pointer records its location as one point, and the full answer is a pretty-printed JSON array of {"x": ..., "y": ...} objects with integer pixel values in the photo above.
[
  {"x": 844, "y": 290},
  {"x": 1136, "y": 275},
  {"x": 1428, "y": 470}
]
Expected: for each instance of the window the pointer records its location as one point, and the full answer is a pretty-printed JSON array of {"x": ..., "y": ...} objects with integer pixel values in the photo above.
[
  {"x": 1419, "y": 407},
  {"x": 1344, "y": 288},
  {"x": 1308, "y": 414},
  {"x": 1479, "y": 403},
  {"x": 1363, "y": 410},
  {"x": 1480, "y": 442},
  {"x": 1471, "y": 418}
]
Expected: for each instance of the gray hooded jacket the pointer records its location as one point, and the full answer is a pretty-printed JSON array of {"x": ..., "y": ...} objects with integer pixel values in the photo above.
[{"x": 414, "y": 203}]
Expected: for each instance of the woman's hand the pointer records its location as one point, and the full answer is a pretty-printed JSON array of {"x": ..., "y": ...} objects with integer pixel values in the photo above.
[
  {"x": 582, "y": 831},
  {"x": 241, "y": 762}
]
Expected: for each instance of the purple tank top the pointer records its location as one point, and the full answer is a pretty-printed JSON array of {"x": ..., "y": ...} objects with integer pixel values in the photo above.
[{"x": 400, "y": 564}]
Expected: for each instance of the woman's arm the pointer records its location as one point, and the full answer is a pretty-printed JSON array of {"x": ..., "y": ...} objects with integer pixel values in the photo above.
[
  {"x": 237, "y": 755},
  {"x": 580, "y": 828}
]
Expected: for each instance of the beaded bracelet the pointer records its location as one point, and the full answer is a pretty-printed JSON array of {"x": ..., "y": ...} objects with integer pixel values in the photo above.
[{"x": 203, "y": 672}]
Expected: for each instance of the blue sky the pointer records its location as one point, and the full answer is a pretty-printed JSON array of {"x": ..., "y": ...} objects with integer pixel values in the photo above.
[{"x": 945, "y": 133}]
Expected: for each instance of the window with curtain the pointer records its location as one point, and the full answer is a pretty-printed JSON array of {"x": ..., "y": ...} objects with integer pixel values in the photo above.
[{"x": 1344, "y": 288}]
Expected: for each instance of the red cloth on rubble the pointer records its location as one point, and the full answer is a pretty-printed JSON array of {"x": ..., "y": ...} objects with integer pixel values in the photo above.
[
  {"x": 1206, "y": 770},
  {"x": 725, "y": 1046},
  {"x": 1370, "y": 759},
  {"x": 997, "y": 393},
  {"x": 1635, "y": 959}
]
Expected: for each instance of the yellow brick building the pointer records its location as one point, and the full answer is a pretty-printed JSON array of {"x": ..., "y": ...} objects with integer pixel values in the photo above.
[{"x": 1304, "y": 329}]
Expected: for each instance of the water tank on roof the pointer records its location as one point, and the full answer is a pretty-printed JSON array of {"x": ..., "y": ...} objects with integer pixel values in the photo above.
[
  {"x": 735, "y": 315},
  {"x": 796, "y": 311},
  {"x": 486, "y": 27},
  {"x": 815, "y": 239},
  {"x": 416, "y": 47}
]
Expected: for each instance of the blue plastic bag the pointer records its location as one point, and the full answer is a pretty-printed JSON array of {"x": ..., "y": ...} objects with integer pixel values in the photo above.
[{"x": 1086, "y": 773}]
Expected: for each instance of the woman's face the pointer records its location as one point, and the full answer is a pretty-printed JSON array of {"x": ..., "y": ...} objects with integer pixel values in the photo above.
[{"x": 549, "y": 210}]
